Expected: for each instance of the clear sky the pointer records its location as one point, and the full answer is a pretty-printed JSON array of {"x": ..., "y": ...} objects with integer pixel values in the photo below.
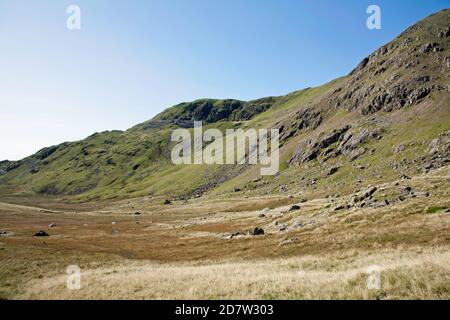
[{"x": 134, "y": 58}]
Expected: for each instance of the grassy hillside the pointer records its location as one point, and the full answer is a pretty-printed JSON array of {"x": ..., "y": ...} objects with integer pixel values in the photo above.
[{"x": 375, "y": 124}]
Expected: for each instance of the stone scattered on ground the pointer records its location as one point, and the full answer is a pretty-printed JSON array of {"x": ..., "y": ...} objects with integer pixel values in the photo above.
[
  {"x": 52, "y": 225},
  {"x": 297, "y": 224},
  {"x": 257, "y": 232},
  {"x": 400, "y": 148},
  {"x": 6, "y": 234},
  {"x": 332, "y": 171},
  {"x": 288, "y": 241},
  {"x": 342, "y": 207},
  {"x": 41, "y": 234},
  {"x": 231, "y": 236},
  {"x": 363, "y": 195},
  {"x": 294, "y": 207}
]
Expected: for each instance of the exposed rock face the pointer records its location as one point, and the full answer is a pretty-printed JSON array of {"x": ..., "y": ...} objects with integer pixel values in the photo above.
[
  {"x": 3, "y": 165},
  {"x": 429, "y": 47},
  {"x": 440, "y": 145},
  {"x": 438, "y": 153},
  {"x": 210, "y": 110},
  {"x": 364, "y": 195},
  {"x": 444, "y": 33},
  {"x": 402, "y": 73},
  {"x": 7, "y": 166},
  {"x": 46, "y": 152},
  {"x": 310, "y": 149},
  {"x": 305, "y": 118},
  {"x": 339, "y": 141},
  {"x": 393, "y": 76},
  {"x": 353, "y": 141}
]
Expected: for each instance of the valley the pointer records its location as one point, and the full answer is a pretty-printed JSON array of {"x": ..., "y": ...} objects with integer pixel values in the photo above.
[
  {"x": 312, "y": 247},
  {"x": 364, "y": 180}
]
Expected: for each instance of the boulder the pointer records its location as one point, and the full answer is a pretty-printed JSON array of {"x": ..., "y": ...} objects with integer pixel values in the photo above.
[
  {"x": 332, "y": 171},
  {"x": 400, "y": 148},
  {"x": 41, "y": 234},
  {"x": 444, "y": 33},
  {"x": 6, "y": 234},
  {"x": 231, "y": 236},
  {"x": 355, "y": 154},
  {"x": 257, "y": 232},
  {"x": 429, "y": 47},
  {"x": 406, "y": 190}
]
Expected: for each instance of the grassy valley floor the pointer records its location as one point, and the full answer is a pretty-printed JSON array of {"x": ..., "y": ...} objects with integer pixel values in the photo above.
[{"x": 313, "y": 247}]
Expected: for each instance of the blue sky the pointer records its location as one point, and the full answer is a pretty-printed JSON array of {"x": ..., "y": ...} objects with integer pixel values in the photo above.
[{"x": 132, "y": 59}]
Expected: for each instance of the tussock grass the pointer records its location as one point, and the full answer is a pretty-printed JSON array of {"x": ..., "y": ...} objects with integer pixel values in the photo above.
[{"x": 413, "y": 274}]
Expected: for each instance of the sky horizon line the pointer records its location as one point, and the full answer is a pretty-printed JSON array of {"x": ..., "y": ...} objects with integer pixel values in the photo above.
[{"x": 65, "y": 85}]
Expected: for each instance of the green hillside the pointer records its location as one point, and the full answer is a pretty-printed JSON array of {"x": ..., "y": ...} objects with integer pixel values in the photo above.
[{"x": 388, "y": 118}]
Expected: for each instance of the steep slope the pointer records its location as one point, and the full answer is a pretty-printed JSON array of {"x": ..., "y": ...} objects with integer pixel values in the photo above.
[{"x": 389, "y": 117}]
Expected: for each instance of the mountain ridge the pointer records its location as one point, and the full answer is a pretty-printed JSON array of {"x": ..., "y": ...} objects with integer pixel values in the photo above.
[{"x": 322, "y": 125}]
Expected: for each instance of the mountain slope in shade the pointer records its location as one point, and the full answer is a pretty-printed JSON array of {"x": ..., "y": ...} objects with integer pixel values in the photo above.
[{"x": 390, "y": 117}]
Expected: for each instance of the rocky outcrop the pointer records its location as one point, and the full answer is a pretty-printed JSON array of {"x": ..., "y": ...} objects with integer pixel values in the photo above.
[
  {"x": 211, "y": 110},
  {"x": 7, "y": 166},
  {"x": 339, "y": 141},
  {"x": 393, "y": 76},
  {"x": 257, "y": 232},
  {"x": 444, "y": 33},
  {"x": 45, "y": 153},
  {"x": 310, "y": 149},
  {"x": 438, "y": 153},
  {"x": 304, "y": 118},
  {"x": 440, "y": 145}
]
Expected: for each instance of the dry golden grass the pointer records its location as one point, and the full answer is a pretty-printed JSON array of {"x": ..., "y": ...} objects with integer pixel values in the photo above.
[{"x": 411, "y": 274}]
